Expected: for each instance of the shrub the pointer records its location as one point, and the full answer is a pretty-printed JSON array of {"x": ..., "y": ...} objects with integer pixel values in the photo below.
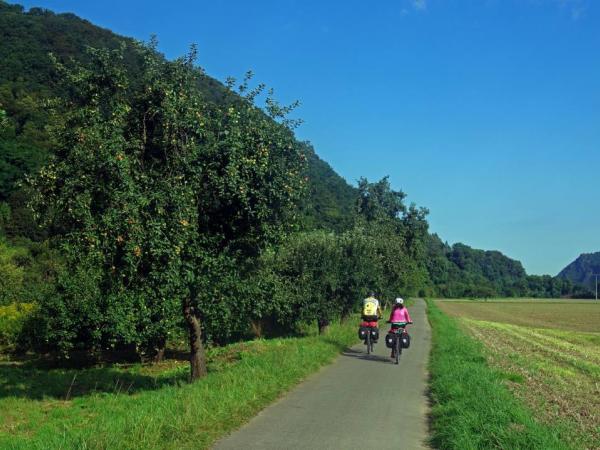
[{"x": 12, "y": 320}]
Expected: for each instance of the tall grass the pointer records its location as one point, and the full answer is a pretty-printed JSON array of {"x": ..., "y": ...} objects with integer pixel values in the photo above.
[
  {"x": 180, "y": 416},
  {"x": 472, "y": 409}
]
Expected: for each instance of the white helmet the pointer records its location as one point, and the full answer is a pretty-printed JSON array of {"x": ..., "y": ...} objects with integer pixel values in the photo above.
[{"x": 399, "y": 301}]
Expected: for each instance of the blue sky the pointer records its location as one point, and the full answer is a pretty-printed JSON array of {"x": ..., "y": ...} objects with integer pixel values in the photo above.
[{"x": 486, "y": 112}]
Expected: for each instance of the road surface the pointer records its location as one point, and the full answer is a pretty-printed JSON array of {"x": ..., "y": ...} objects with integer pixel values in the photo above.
[{"x": 359, "y": 402}]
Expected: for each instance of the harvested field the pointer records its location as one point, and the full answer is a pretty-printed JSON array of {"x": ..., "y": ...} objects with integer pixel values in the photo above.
[
  {"x": 564, "y": 315},
  {"x": 549, "y": 354}
]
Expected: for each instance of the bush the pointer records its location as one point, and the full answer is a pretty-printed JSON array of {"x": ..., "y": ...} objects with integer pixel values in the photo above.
[
  {"x": 12, "y": 320},
  {"x": 11, "y": 274}
]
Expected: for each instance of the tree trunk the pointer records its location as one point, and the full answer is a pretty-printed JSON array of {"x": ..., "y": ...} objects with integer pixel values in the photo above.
[
  {"x": 159, "y": 355},
  {"x": 256, "y": 326},
  {"x": 197, "y": 357},
  {"x": 323, "y": 326}
]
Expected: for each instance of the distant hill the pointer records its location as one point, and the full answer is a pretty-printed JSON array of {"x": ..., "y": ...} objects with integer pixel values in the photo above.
[
  {"x": 462, "y": 271},
  {"x": 582, "y": 269}
]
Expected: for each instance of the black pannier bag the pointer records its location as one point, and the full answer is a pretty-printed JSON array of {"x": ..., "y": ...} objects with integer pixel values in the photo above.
[
  {"x": 362, "y": 333},
  {"x": 405, "y": 340},
  {"x": 374, "y": 334},
  {"x": 389, "y": 340}
]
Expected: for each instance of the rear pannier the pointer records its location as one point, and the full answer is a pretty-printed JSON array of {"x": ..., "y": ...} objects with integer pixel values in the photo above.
[
  {"x": 362, "y": 333},
  {"x": 405, "y": 340},
  {"x": 374, "y": 334},
  {"x": 390, "y": 338}
]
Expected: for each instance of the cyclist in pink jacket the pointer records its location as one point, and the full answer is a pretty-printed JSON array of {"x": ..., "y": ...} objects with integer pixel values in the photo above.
[
  {"x": 399, "y": 312},
  {"x": 399, "y": 317}
]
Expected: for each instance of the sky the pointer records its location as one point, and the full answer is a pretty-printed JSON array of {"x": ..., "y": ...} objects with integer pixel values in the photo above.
[{"x": 486, "y": 112}]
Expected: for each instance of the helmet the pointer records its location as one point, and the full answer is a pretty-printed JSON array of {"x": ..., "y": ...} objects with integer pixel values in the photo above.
[
  {"x": 399, "y": 301},
  {"x": 371, "y": 294}
]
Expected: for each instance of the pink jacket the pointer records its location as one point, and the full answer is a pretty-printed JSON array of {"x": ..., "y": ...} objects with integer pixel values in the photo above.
[{"x": 400, "y": 315}]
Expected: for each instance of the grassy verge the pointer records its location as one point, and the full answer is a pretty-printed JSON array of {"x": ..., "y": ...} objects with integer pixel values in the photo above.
[
  {"x": 472, "y": 408},
  {"x": 145, "y": 410},
  {"x": 550, "y": 355},
  {"x": 554, "y": 372}
]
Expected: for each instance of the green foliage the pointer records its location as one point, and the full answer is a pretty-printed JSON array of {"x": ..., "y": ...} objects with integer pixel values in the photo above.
[
  {"x": 544, "y": 286},
  {"x": 471, "y": 406},
  {"x": 400, "y": 233},
  {"x": 152, "y": 194},
  {"x": 328, "y": 274},
  {"x": 26, "y": 270},
  {"x": 5, "y": 216},
  {"x": 13, "y": 318},
  {"x": 377, "y": 201},
  {"x": 311, "y": 265},
  {"x": 11, "y": 274},
  {"x": 460, "y": 271},
  {"x": 330, "y": 202}
]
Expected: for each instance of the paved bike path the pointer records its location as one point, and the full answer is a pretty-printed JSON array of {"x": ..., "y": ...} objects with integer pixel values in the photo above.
[{"x": 359, "y": 402}]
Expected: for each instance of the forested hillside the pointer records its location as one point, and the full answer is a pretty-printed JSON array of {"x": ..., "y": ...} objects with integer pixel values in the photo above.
[
  {"x": 28, "y": 81},
  {"x": 461, "y": 271},
  {"x": 581, "y": 271},
  {"x": 140, "y": 198}
]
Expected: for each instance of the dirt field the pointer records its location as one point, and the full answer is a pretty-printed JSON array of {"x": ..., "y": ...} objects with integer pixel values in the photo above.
[{"x": 548, "y": 354}]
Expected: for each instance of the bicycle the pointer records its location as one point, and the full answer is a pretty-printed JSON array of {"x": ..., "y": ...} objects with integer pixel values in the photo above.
[
  {"x": 369, "y": 341},
  {"x": 369, "y": 338},
  {"x": 398, "y": 329}
]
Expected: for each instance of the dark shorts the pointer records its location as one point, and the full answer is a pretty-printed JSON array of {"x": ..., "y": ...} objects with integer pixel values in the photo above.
[{"x": 370, "y": 318}]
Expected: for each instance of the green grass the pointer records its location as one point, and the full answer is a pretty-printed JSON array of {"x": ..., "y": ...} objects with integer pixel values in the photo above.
[
  {"x": 558, "y": 371},
  {"x": 132, "y": 407},
  {"x": 550, "y": 352},
  {"x": 472, "y": 407}
]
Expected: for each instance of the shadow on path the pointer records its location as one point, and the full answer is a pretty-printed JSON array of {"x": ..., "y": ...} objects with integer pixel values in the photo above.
[{"x": 357, "y": 354}]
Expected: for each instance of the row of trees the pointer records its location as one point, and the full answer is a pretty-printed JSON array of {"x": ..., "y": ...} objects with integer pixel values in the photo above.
[
  {"x": 152, "y": 194},
  {"x": 170, "y": 211},
  {"x": 168, "y": 206}
]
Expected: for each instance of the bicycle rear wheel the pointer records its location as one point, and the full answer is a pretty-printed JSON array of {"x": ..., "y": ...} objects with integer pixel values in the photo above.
[
  {"x": 369, "y": 342},
  {"x": 397, "y": 348}
]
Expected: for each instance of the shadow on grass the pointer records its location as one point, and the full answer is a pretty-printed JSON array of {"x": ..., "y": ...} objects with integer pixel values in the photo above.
[
  {"x": 341, "y": 347},
  {"x": 38, "y": 378},
  {"x": 30, "y": 380}
]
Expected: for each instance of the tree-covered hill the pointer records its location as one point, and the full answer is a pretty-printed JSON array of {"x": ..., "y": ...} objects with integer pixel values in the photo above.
[
  {"x": 582, "y": 270},
  {"x": 461, "y": 271},
  {"x": 28, "y": 80},
  {"x": 331, "y": 202}
]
